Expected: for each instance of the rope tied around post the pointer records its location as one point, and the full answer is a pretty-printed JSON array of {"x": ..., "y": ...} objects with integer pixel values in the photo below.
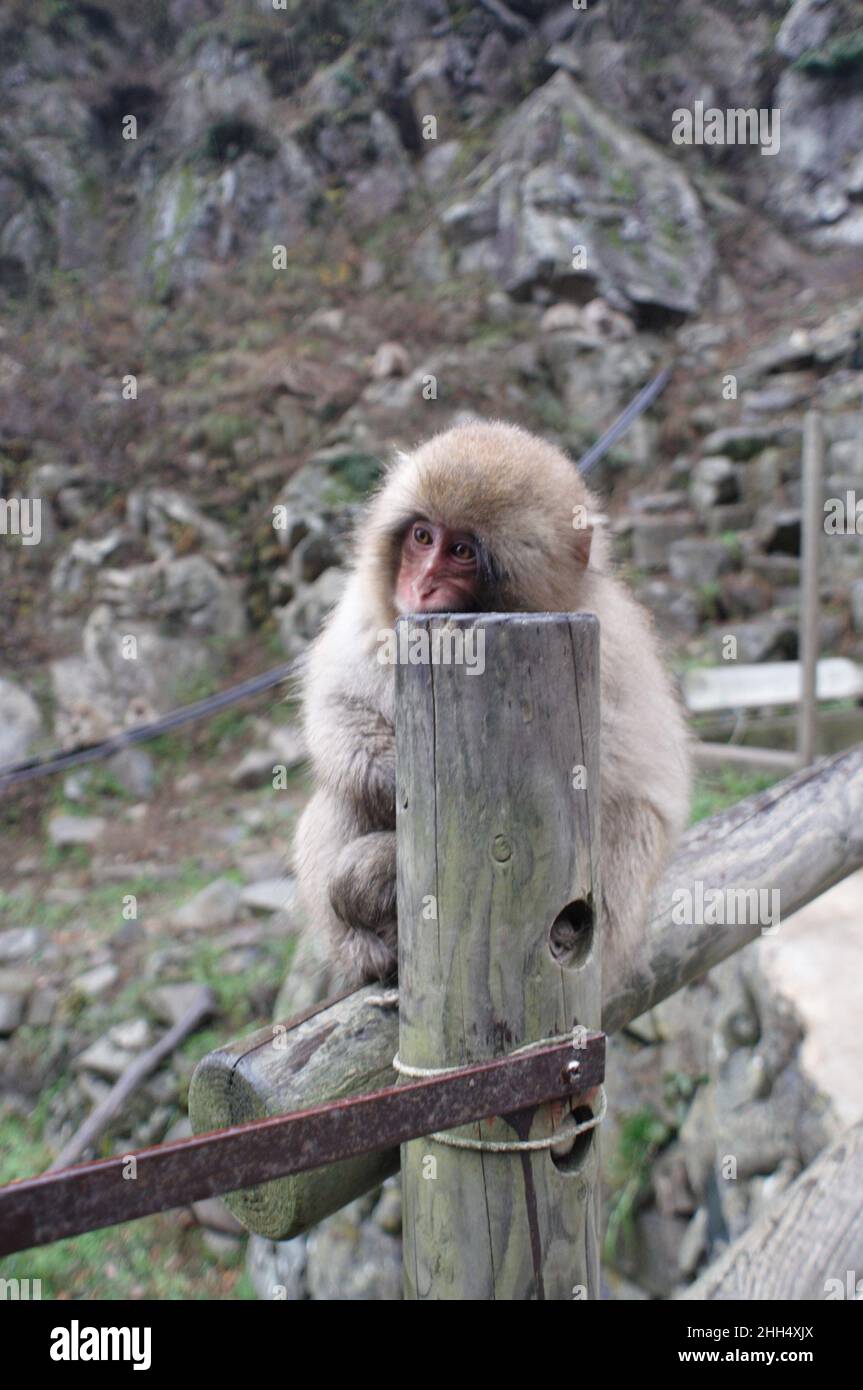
[{"x": 570, "y": 1129}]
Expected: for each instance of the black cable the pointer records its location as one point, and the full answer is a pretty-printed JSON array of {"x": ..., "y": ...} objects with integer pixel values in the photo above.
[
  {"x": 635, "y": 408},
  {"x": 15, "y": 773}
]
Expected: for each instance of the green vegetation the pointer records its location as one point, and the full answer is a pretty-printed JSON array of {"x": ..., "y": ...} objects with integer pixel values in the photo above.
[
  {"x": 222, "y": 429},
  {"x": 160, "y": 1257},
  {"x": 840, "y": 58},
  {"x": 708, "y": 600},
  {"x": 351, "y": 477},
  {"x": 623, "y": 185},
  {"x": 643, "y": 1133},
  {"x": 718, "y": 789}
]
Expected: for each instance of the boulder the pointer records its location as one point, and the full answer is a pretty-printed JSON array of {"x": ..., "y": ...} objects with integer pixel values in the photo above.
[
  {"x": 20, "y": 722},
  {"x": 563, "y": 173}
]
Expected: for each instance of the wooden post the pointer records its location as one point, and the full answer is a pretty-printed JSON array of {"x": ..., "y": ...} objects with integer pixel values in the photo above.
[
  {"x": 812, "y": 529},
  {"x": 498, "y": 821}
]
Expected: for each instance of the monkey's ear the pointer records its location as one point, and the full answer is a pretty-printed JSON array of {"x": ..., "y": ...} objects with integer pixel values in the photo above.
[
  {"x": 582, "y": 533},
  {"x": 583, "y": 539}
]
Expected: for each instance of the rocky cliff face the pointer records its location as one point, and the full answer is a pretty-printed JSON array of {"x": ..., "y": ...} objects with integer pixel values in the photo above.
[{"x": 246, "y": 247}]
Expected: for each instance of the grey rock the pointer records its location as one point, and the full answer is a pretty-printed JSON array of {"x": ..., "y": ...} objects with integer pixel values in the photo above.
[
  {"x": 20, "y": 722},
  {"x": 674, "y": 608},
  {"x": 822, "y": 129},
  {"x": 845, "y": 457},
  {"x": 43, "y": 1006},
  {"x": 11, "y": 1012},
  {"x": 46, "y": 479},
  {"x": 269, "y": 895},
  {"x": 698, "y": 561},
  {"x": 212, "y": 1213},
  {"x": 671, "y": 1185},
  {"x": 97, "y": 981},
  {"x": 544, "y": 187},
  {"x": 255, "y": 769},
  {"x": 222, "y": 1245},
  {"x": 714, "y": 483},
  {"x": 351, "y": 1261},
  {"x": 134, "y": 770},
  {"x": 188, "y": 590},
  {"x": 659, "y": 1238},
  {"x": 172, "y": 1002},
  {"x": 653, "y": 535},
  {"x": 19, "y": 943},
  {"x": 100, "y": 691},
  {"x": 105, "y": 1058},
  {"x": 806, "y": 25},
  {"x": 745, "y": 595},
  {"x": 388, "y": 1212},
  {"x": 693, "y": 1246},
  {"x": 75, "y": 570},
  {"x": 325, "y": 320},
  {"x": 122, "y": 871},
  {"x": 314, "y": 554},
  {"x": 659, "y": 502},
  {"x": 258, "y": 865},
  {"x": 437, "y": 163},
  {"x": 566, "y": 56},
  {"x": 390, "y": 359},
  {"x": 855, "y": 595},
  {"x": 157, "y": 513},
  {"x": 776, "y": 569},
  {"x": 133, "y": 1034},
  {"x": 213, "y": 907},
  {"x": 301, "y": 619},
  {"x": 741, "y": 442},
  {"x": 277, "y": 1269},
  {"x": 773, "y": 638},
  {"x": 75, "y": 830}
]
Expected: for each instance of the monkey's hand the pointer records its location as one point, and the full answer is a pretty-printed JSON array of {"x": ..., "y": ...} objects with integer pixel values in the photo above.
[
  {"x": 363, "y": 887},
  {"x": 363, "y": 896}
]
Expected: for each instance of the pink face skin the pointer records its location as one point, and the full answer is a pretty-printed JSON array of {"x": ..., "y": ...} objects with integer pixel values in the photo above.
[{"x": 438, "y": 571}]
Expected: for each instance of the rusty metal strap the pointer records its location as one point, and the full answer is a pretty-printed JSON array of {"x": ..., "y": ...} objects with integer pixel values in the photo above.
[{"x": 38, "y": 1210}]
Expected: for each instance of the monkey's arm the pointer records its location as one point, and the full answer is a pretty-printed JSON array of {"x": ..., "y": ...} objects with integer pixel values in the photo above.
[
  {"x": 353, "y": 750},
  {"x": 348, "y": 886},
  {"x": 636, "y": 843},
  {"x": 346, "y": 838}
]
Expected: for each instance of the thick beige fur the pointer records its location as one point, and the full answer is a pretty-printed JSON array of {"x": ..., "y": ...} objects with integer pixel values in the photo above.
[{"x": 516, "y": 494}]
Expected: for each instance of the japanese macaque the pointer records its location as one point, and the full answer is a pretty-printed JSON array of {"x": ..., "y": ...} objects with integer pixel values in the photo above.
[{"x": 478, "y": 519}]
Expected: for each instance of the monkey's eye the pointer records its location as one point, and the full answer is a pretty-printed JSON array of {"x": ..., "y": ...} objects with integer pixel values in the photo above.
[
  {"x": 423, "y": 536},
  {"x": 462, "y": 550}
]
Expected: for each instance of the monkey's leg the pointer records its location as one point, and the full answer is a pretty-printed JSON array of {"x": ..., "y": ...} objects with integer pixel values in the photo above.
[{"x": 362, "y": 894}]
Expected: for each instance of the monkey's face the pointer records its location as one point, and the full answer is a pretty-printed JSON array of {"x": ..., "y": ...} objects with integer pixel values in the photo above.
[{"x": 438, "y": 570}]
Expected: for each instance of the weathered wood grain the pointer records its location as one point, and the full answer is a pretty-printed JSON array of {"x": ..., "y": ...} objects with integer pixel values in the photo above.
[{"x": 496, "y": 838}]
